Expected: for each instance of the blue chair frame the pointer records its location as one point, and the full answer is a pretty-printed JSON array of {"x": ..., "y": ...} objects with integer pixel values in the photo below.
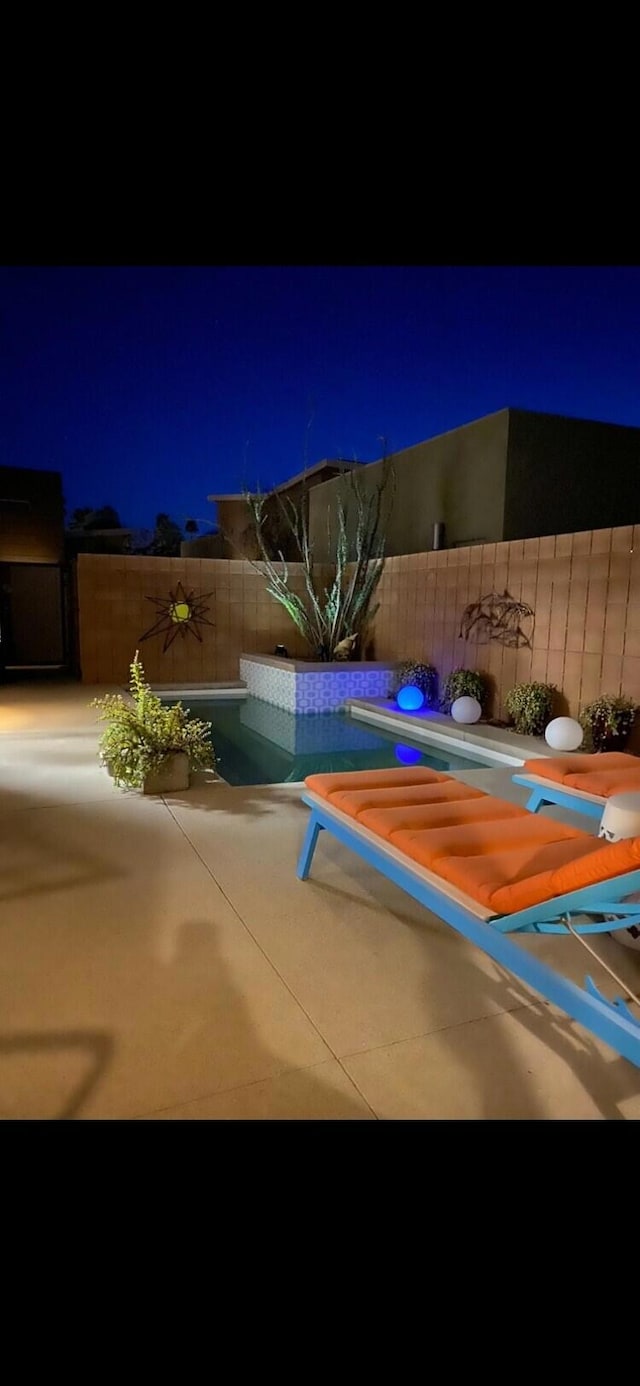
[
  {"x": 558, "y": 794},
  {"x": 611, "y": 1021}
]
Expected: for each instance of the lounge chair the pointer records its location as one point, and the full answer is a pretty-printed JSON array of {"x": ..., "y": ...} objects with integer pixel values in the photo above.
[
  {"x": 489, "y": 868},
  {"x": 582, "y": 783}
]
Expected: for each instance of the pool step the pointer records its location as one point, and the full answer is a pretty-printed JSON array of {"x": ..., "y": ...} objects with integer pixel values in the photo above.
[{"x": 202, "y": 690}]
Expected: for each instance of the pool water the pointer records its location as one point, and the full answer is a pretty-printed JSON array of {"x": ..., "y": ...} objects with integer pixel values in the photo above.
[{"x": 257, "y": 743}]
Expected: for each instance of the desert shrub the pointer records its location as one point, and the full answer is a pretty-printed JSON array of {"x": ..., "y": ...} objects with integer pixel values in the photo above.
[
  {"x": 463, "y": 683},
  {"x": 607, "y": 722},
  {"x": 422, "y": 676},
  {"x": 530, "y": 707}
]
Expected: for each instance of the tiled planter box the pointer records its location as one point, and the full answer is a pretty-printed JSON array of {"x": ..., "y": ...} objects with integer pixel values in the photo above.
[{"x": 300, "y": 687}]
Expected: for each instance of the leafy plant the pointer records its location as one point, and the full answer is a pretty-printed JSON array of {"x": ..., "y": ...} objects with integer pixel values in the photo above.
[
  {"x": 608, "y": 719},
  {"x": 326, "y": 616},
  {"x": 463, "y": 683},
  {"x": 142, "y": 732},
  {"x": 422, "y": 676},
  {"x": 529, "y": 706}
]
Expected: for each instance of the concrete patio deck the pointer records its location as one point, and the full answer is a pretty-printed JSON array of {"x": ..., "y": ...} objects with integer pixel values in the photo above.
[{"x": 161, "y": 960}]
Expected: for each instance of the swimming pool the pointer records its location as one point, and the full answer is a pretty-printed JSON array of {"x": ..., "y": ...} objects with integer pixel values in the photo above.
[{"x": 257, "y": 743}]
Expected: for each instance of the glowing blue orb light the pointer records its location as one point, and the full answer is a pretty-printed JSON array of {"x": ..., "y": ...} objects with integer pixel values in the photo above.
[
  {"x": 408, "y": 755},
  {"x": 410, "y": 698}
]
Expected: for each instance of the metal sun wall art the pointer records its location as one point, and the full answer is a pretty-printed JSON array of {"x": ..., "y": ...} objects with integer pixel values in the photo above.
[
  {"x": 181, "y": 613},
  {"x": 498, "y": 617}
]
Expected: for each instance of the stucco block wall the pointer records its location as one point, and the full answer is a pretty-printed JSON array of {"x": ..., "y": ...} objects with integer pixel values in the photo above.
[
  {"x": 113, "y": 613},
  {"x": 584, "y": 589}
]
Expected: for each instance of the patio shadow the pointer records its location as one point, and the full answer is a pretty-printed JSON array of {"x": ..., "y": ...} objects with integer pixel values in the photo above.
[
  {"x": 245, "y": 800},
  {"x": 95, "y": 1043},
  {"x": 504, "y": 1082},
  {"x": 37, "y": 860}
]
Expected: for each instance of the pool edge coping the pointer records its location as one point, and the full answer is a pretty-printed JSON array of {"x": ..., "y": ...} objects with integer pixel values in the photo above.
[{"x": 388, "y": 720}]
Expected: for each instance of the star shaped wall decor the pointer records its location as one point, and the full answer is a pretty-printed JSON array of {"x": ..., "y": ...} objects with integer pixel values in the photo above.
[{"x": 182, "y": 613}]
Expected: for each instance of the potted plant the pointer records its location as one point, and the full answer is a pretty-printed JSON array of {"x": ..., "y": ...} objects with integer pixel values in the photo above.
[
  {"x": 147, "y": 745},
  {"x": 608, "y": 721},
  {"x": 422, "y": 676},
  {"x": 463, "y": 683},
  {"x": 529, "y": 706}
]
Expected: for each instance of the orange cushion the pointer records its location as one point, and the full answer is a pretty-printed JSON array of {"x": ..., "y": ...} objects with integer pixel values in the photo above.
[
  {"x": 355, "y": 802},
  {"x": 606, "y": 782},
  {"x": 611, "y": 859},
  {"x": 524, "y": 875},
  {"x": 325, "y": 785},
  {"x": 586, "y": 864},
  {"x": 494, "y": 851},
  {"x": 484, "y": 839},
  {"x": 515, "y": 879},
  {"x": 558, "y": 767},
  {"x": 388, "y": 821}
]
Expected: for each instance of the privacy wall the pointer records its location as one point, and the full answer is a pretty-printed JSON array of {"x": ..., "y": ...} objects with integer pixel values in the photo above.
[
  {"x": 583, "y": 590},
  {"x": 120, "y": 599}
]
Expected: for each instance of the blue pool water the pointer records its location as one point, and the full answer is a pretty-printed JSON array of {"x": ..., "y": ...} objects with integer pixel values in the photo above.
[{"x": 256, "y": 743}]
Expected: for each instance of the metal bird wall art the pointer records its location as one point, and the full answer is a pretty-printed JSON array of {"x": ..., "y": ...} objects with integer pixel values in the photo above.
[{"x": 498, "y": 616}]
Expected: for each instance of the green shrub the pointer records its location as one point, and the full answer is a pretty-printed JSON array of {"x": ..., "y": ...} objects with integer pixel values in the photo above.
[
  {"x": 463, "y": 683},
  {"x": 607, "y": 722},
  {"x": 422, "y": 676},
  {"x": 529, "y": 706},
  {"x": 142, "y": 732}
]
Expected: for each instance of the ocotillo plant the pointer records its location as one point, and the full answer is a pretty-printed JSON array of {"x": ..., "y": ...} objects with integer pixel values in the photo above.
[{"x": 327, "y": 616}]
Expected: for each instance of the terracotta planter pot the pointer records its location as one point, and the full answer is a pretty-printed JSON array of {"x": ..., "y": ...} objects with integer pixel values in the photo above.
[{"x": 172, "y": 776}]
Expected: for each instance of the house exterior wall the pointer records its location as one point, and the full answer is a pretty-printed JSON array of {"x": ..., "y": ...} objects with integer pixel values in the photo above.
[
  {"x": 31, "y": 516},
  {"x": 568, "y": 475},
  {"x": 235, "y": 520},
  {"x": 237, "y": 529},
  {"x": 203, "y": 546},
  {"x": 458, "y": 478},
  {"x": 516, "y": 474}
]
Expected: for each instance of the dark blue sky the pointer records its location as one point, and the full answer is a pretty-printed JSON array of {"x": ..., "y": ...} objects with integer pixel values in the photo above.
[{"x": 150, "y": 388}]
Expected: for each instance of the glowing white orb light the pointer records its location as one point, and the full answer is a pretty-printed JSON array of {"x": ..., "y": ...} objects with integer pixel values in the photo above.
[
  {"x": 564, "y": 734},
  {"x": 466, "y": 710},
  {"x": 410, "y": 698}
]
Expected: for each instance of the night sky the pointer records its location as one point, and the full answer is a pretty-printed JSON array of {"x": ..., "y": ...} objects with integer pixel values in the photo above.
[{"x": 150, "y": 388}]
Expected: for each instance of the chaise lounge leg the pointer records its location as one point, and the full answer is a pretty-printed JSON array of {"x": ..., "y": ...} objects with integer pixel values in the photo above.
[
  {"x": 308, "y": 847},
  {"x": 535, "y": 800}
]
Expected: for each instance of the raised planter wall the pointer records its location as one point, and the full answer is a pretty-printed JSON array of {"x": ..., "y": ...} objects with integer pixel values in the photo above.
[{"x": 301, "y": 687}]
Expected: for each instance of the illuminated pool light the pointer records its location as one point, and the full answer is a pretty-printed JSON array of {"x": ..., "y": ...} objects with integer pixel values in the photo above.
[
  {"x": 410, "y": 698},
  {"x": 408, "y": 755}
]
